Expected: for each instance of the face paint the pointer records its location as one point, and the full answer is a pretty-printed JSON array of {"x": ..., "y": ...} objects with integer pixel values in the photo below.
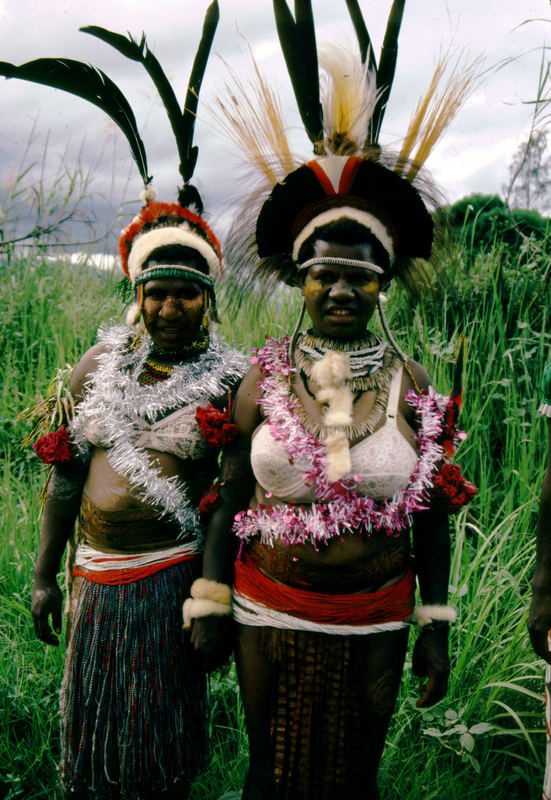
[
  {"x": 340, "y": 300},
  {"x": 312, "y": 286}
]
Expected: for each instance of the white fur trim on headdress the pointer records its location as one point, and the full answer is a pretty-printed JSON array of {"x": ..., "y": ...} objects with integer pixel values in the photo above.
[
  {"x": 144, "y": 244},
  {"x": 369, "y": 221}
]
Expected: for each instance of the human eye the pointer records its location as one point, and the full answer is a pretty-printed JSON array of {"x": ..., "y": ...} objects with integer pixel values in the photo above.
[
  {"x": 189, "y": 292},
  {"x": 155, "y": 294},
  {"x": 366, "y": 276}
]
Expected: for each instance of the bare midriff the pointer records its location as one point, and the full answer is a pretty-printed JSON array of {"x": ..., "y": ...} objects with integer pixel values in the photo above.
[{"x": 109, "y": 491}]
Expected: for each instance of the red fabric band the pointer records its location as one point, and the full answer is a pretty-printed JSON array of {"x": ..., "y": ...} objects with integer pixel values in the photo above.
[
  {"x": 114, "y": 577},
  {"x": 393, "y": 604}
]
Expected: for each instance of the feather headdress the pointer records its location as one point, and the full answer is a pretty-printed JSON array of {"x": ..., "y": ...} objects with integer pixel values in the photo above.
[
  {"x": 158, "y": 224},
  {"x": 342, "y": 98}
]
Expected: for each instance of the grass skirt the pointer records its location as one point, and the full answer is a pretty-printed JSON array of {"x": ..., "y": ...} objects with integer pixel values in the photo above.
[
  {"x": 315, "y": 717},
  {"x": 331, "y": 696},
  {"x": 133, "y": 697}
]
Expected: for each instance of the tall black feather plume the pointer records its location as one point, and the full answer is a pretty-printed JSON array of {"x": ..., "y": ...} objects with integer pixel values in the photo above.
[
  {"x": 196, "y": 79},
  {"x": 364, "y": 40},
  {"x": 181, "y": 121},
  {"x": 90, "y": 83},
  {"x": 387, "y": 63},
  {"x": 298, "y": 43}
]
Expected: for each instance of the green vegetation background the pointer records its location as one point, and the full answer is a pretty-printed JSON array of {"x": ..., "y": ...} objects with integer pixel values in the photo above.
[{"x": 487, "y": 736}]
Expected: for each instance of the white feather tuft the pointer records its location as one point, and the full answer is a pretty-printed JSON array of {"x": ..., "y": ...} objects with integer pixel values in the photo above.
[
  {"x": 348, "y": 96},
  {"x": 148, "y": 194},
  {"x": 133, "y": 314}
]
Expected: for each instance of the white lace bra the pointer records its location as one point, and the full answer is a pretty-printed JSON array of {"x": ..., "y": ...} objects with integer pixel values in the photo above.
[
  {"x": 177, "y": 433},
  {"x": 384, "y": 461}
]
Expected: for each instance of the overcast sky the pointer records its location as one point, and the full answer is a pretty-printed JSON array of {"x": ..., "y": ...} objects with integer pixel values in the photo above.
[{"x": 473, "y": 157}]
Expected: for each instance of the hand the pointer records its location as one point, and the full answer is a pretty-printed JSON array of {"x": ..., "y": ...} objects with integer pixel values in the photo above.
[
  {"x": 213, "y": 638},
  {"x": 430, "y": 657},
  {"x": 47, "y": 599},
  {"x": 539, "y": 623}
]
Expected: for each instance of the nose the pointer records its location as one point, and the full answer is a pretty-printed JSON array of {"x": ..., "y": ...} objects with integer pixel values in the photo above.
[
  {"x": 341, "y": 291},
  {"x": 170, "y": 308}
]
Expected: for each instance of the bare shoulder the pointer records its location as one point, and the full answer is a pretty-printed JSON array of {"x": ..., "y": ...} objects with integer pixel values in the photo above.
[
  {"x": 227, "y": 396},
  {"x": 414, "y": 377},
  {"x": 419, "y": 381},
  {"x": 246, "y": 410},
  {"x": 84, "y": 370}
]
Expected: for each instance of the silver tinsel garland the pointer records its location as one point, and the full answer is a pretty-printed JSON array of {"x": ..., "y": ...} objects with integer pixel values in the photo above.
[{"x": 116, "y": 409}]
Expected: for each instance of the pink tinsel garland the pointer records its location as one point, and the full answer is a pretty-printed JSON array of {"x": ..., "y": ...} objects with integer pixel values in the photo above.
[{"x": 338, "y": 509}]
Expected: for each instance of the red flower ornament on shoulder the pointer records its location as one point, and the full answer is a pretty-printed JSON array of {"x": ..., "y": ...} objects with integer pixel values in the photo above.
[
  {"x": 215, "y": 425},
  {"x": 450, "y": 484},
  {"x": 54, "y": 447},
  {"x": 210, "y": 500}
]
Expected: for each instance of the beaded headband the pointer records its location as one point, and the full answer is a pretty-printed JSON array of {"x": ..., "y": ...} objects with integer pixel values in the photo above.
[{"x": 341, "y": 262}]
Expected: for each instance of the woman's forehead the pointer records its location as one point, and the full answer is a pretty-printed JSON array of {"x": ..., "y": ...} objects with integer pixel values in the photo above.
[
  {"x": 327, "y": 247},
  {"x": 349, "y": 272},
  {"x": 171, "y": 283}
]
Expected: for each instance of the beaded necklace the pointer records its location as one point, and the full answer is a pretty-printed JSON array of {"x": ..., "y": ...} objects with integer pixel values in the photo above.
[
  {"x": 369, "y": 369},
  {"x": 372, "y": 363}
]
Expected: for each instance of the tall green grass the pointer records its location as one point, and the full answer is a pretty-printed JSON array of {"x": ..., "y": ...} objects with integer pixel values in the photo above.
[{"x": 487, "y": 735}]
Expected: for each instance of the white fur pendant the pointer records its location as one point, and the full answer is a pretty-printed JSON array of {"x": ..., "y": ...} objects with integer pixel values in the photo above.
[
  {"x": 337, "y": 456},
  {"x": 331, "y": 373}
]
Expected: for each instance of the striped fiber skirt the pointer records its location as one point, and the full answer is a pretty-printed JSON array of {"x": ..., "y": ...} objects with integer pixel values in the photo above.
[{"x": 133, "y": 697}]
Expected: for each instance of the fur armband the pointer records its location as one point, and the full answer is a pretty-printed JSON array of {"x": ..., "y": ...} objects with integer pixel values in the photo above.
[
  {"x": 426, "y": 615},
  {"x": 208, "y": 598},
  {"x": 204, "y": 589}
]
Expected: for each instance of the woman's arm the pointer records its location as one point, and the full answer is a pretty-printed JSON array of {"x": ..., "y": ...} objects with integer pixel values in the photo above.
[
  {"x": 539, "y": 619},
  {"x": 60, "y": 513},
  {"x": 212, "y": 635},
  {"x": 431, "y": 548}
]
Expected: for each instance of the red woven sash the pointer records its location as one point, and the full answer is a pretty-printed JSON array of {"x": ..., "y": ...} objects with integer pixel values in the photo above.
[
  {"x": 393, "y": 604},
  {"x": 115, "y": 577}
]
